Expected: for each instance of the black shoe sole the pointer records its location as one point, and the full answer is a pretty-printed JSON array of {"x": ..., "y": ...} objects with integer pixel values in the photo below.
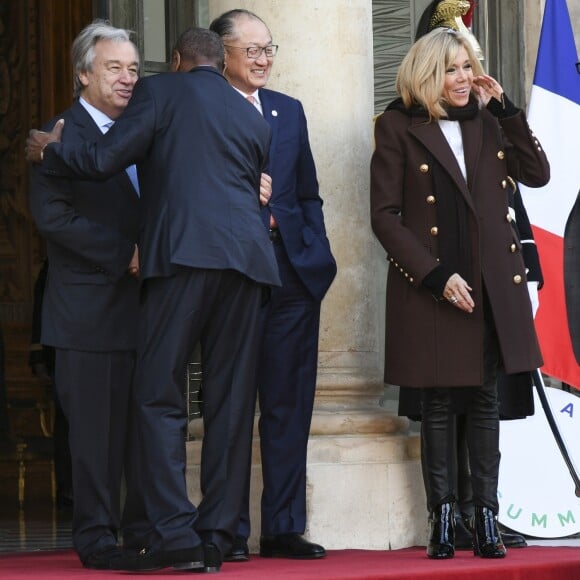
[
  {"x": 177, "y": 559},
  {"x": 516, "y": 545},
  {"x": 238, "y": 558},
  {"x": 208, "y": 570},
  {"x": 188, "y": 566},
  {"x": 443, "y": 557}
]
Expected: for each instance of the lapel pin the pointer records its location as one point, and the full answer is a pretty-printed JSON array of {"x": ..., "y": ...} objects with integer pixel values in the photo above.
[{"x": 274, "y": 113}]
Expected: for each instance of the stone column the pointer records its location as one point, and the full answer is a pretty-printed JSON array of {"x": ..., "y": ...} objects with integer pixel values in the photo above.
[
  {"x": 364, "y": 492},
  {"x": 326, "y": 60}
]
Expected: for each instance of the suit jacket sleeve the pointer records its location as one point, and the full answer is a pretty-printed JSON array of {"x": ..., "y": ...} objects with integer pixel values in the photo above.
[
  {"x": 526, "y": 236},
  {"x": 526, "y": 159},
  {"x": 307, "y": 183},
  {"x": 58, "y": 222},
  {"x": 126, "y": 143}
]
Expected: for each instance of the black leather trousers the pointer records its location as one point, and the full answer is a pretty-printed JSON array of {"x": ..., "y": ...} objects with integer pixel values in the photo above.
[{"x": 438, "y": 432}]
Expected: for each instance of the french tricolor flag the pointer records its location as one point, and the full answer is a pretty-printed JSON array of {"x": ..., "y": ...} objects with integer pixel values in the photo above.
[{"x": 554, "y": 116}]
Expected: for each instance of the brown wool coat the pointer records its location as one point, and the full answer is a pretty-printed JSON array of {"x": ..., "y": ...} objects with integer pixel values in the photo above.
[{"x": 429, "y": 342}]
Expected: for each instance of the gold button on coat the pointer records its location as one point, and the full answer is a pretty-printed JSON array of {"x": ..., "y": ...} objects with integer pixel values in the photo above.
[
  {"x": 430, "y": 199},
  {"x": 517, "y": 279},
  {"x": 513, "y": 248},
  {"x": 423, "y": 168},
  {"x": 434, "y": 230},
  {"x": 503, "y": 184},
  {"x": 500, "y": 154}
]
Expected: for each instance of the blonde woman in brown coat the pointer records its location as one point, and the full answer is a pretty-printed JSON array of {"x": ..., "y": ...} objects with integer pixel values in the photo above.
[{"x": 457, "y": 301}]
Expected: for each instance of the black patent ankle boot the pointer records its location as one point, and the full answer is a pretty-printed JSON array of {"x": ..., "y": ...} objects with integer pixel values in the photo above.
[
  {"x": 442, "y": 532},
  {"x": 487, "y": 541}
]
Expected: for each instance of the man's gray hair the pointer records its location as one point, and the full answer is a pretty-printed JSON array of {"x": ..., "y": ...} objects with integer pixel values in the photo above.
[{"x": 83, "y": 47}]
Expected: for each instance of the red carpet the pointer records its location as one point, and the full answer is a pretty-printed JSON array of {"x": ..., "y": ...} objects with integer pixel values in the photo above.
[{"x": 532, "y": 563}]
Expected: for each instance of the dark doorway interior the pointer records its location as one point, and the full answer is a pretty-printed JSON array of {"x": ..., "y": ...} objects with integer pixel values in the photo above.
[{"x": 35, "y": 84}]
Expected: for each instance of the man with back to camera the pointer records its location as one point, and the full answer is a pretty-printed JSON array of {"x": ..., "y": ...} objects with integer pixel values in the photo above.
[
  {"x": 289, "y": 350},
  {"x": 207, "y": 264},
  {"x": 186, "y": 56},
  {"x": 89, "y": 312}
]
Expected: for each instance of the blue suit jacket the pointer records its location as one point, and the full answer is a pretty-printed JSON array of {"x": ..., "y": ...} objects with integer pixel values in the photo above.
[
  {"x": 200, "y": 150},
  {"x": 295, "y": 201},
  {"x": 91, "y": 227}
]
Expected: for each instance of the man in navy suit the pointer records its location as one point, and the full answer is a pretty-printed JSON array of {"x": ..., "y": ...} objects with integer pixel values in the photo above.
[
  {"x": 207, "y": 265},
  {"x": 289, "y": 352},
  {"x": 89, "y": 312}
]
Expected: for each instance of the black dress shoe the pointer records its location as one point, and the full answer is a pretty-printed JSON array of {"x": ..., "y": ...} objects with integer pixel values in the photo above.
[
  {"x": 487, "y": 541},
  {"x": 146, "y": 561},
  {"x": 290, "y": 546},
  {"x": 212, "y": 559},
  {"x": 134, "y": 551},
  {"x": 239, "y": 551},
  {"x": 463, "y": 534},
  {"x": 511, "y": 539},
  {"x": 108, "y": 559}
]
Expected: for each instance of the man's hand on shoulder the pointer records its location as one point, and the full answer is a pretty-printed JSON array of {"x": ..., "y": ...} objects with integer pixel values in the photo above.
[{"x": 38, "y": 140}]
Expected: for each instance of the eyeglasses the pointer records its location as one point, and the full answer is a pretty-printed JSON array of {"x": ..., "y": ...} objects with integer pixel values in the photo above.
[{"x": 255, "y": 52}]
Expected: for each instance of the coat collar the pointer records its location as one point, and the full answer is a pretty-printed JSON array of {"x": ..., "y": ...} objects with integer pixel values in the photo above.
[
  {"x": 432, "y": 138},
  {"x": 86, "y": 126}
]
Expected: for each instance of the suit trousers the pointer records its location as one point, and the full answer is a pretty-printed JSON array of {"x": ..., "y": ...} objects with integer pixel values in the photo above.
[
  {"x": 439, "y": 438},
  {"x": 94, "y": 392},
  {"x": 219, "y": 309},
  {"x": 286, "y": 389}
]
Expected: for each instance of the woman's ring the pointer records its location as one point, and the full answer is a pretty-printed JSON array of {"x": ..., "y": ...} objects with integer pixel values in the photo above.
[{"x": 453, "y": 299}]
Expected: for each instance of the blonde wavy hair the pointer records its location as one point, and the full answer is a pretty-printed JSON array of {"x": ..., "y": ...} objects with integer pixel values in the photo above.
[{"x": 421, "y": 76}]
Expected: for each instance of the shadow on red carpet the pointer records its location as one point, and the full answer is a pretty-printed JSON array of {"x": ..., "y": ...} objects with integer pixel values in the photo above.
[{"x": 532, "y": 563}]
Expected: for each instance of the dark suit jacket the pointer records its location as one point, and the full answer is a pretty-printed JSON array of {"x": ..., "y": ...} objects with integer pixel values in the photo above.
[
  {"x": 572, "y": 275},
  {"x": 91, "y": 228},
  {"x": 200, "y": 151},
  {"x": 295, "y": 201}
]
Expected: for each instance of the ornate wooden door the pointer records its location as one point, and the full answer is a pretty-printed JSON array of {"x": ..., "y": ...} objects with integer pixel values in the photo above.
[{"x": 35, "y": 84}]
